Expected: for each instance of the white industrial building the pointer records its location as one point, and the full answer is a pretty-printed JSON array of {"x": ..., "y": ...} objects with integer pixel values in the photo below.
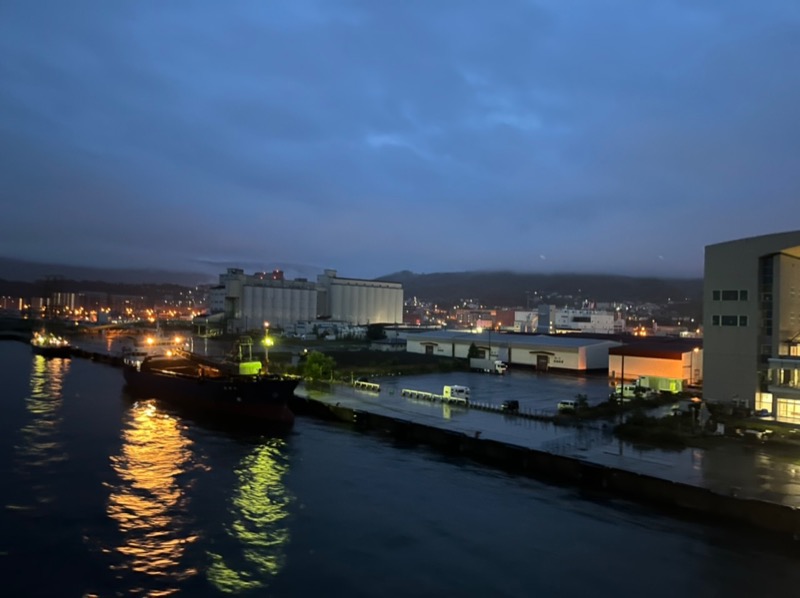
[
  {"x": 541, "y": 352},
  {"x": 588, "y": 320},
  {"x": 248, "y": 301},
  {"x": 360, "y": 302},
  {"x": 548, "y": 319}
]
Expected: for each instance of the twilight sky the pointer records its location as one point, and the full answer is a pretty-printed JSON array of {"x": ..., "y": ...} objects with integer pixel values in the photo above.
[{"x": 369, "y": 136}]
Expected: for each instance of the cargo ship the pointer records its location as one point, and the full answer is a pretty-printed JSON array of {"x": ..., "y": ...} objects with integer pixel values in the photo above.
[{"x": 238, "y": 387}]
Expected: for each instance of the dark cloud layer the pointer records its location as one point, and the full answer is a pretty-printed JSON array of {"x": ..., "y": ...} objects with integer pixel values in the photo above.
[{"x": 371, "y": 137}]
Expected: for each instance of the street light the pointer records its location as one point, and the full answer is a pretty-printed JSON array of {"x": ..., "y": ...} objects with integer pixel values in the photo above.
[{"x": 267, "y": 342}]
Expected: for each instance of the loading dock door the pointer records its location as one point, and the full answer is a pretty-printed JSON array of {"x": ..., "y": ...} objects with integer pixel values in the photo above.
[{"x": 542, "y": 362}]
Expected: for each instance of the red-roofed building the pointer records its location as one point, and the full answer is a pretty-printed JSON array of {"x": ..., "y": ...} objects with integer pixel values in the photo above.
[{"x": 680, "y": 359}]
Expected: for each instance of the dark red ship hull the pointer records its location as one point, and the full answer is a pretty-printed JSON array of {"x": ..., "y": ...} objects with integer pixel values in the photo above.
[
  {"x": 46, "y": 351},
  {"x": 263, "y": 398}
]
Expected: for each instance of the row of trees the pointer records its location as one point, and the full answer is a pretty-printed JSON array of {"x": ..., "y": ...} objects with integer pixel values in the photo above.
[{"x": 318, "y": 366}]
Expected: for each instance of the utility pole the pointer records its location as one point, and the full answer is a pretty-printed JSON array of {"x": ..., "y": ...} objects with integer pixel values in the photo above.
[
  {"x": 621, "y": 394},
  {"x": 621, "y": 387}
]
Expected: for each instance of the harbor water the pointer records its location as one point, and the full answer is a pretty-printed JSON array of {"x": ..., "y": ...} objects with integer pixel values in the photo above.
[{"x": 106, "y": 496}]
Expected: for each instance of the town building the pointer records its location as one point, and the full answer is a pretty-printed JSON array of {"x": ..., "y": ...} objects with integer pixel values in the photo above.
[
  {"x": 588, "y": 320},
  {"x": 12, "y": 305},
  {"x": 751, "y": 324}
]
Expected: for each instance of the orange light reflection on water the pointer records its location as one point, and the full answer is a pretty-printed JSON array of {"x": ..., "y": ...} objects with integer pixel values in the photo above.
[{"x": 148, "y": 502}]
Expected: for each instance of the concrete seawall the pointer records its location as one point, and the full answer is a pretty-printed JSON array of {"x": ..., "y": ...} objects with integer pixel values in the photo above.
[{"x": 677, "y": 497}]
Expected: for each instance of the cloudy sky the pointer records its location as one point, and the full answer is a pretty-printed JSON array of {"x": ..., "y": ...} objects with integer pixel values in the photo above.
[{"x": 374, "y": 136}]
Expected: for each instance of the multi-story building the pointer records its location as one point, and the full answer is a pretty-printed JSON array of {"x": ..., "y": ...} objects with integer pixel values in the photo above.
[
  {"x": 588, "y": 320},
  {"x": 63, "y": 301},
  {"x": 250, "y": 301},
  {"x": 751, "y": 318},
  {"x": 12, "y": 304},
  {"x": 548, "y": 319}
]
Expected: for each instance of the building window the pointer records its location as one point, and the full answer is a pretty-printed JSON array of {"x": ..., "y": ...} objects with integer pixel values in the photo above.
[
  {"x": 715, "y": 295},
  {"x": 730, "y": 295},
  {"x": 729, "y": 321},
  {"x": 742, "y": 320},
  {"x": 742, "y": 295},
  {"x": 715, "y": 320}
]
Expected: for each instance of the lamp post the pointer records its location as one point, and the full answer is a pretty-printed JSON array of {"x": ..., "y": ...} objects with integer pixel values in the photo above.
[{"x": 267, "y": 342}]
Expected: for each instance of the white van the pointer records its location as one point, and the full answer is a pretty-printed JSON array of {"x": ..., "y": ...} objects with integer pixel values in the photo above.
[
  {"x": 568, "y": 405},
  {"x": 456, "y": 394}
]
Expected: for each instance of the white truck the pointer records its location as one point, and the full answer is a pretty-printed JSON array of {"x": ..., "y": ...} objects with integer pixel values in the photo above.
[
  {"x": 647, "y": 386},
  {"x": 456, "y": 394},
  {"x": 661, "y": 384},
  {"x": 488, "y": 366}
]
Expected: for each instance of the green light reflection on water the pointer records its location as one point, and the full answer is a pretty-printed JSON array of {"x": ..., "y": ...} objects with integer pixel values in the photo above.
[{"x": 259, "y": 508}]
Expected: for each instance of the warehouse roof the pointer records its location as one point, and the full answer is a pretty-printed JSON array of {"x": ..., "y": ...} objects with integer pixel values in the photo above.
[
  {"x": 500, "y": 338},
  {"x": 658, "y": 348}
]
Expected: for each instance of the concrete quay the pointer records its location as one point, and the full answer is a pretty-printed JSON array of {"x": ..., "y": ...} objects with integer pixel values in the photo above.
[{"x": 733, "y": 483}]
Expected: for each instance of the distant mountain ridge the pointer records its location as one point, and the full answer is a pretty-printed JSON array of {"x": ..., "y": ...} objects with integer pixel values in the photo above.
[
  {"x": 493, "y": 288},
  {"x": 25, "y": 271},
  {"x": 507, "y": 288}
]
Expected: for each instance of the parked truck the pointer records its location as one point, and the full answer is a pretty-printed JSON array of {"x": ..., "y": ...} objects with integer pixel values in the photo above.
[
  {"x": 646, "y": 386},
  {"x": 661, "y": 384},
  {"x": 456, "y": 394},
  {"x": 489, "y": 366}
]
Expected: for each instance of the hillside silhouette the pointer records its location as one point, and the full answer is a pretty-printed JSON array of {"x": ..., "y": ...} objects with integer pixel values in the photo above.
[
  {"x": 506, "y": 288},
  {"x": 29, "y": 272},
  {"x": 491, "y": 288}
]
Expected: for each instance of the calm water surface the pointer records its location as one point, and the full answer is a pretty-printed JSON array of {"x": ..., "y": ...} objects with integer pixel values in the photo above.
[{"x": 109, "y": 497}]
